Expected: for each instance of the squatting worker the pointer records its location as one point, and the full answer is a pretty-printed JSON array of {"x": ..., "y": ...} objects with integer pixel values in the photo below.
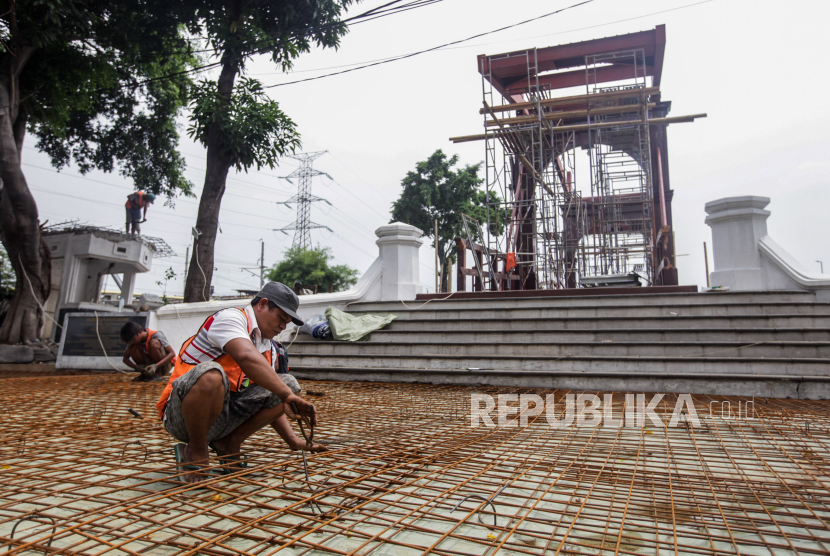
[
  {"x": 148, "y": 352},
  {"x": 225, "y": 385},
  {"x": 134, "y": 205}
]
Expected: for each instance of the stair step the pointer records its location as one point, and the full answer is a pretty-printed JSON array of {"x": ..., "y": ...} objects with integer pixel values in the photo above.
[
  {"x": 774, "y": 349},
  {"x": 710, "y": 298},
  {"x": 744, "y": 335},
  {"x": 619, "y": 311},
  {"x": 610, "y": 322},
  {"x": 572, "y": 363}
]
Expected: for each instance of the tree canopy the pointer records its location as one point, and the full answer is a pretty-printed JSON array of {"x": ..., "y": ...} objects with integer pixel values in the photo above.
[
  {"x": 437, "y": 190},
  {"x": 99, "y": 84},
  {"x": 104, "y": 85},
  {"x": 237, "y": 123},
  {"x": 312, "y": 267}
]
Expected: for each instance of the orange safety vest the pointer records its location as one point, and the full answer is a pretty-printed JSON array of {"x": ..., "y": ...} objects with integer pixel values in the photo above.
[
  {"x": 147, "y": 343},
  {"x": 510, "y": 264},
  {"x": 139, "y": 201},
  {"x": 237, "y": 379}
]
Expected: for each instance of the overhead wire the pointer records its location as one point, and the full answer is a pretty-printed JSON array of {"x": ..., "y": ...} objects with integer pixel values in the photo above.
[
  {"x": 413, "y": 54},
  {"x": 206, "y": 67},
  {"x": 477, "y": 45},
  {"x": 373, "y": 13}
]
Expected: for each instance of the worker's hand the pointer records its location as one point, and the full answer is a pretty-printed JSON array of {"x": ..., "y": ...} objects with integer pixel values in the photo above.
[
  {"x": 297, "y": 408},
  {"x": 142, "y": 221},
  {"x": 139, "y": 368},
  {"x": 151, "y": 369}
]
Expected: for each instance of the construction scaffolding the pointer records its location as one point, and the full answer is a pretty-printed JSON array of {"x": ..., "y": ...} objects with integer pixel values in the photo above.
[
  {"x": 86, "y": 468},
  {"x": 609, "y": 225}
]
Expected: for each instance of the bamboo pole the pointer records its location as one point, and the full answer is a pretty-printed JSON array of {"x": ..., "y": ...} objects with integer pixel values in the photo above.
[{"x": 585, "y": 127}]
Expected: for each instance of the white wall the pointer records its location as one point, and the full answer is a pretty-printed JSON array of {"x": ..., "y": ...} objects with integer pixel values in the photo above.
[
  {"x": 747, "y": 258},
  {"x": 393, "y": 276}
]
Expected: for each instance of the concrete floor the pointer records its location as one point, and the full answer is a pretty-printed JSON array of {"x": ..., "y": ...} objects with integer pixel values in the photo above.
[{"x": 407, "y": 474}]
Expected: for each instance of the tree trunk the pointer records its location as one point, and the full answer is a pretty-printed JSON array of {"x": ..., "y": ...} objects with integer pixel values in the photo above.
[
  {"x": 200, "y": 272},
  {"x": 444, "y": 258},
  {"x": 445, "y": 275},
  {"x": 19, "y": 216}
]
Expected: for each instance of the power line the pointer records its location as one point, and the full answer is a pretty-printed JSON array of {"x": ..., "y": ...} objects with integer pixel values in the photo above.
[
  {"x": 412, "y": 54},
  {"x": 477, "y": 45},
  {"x": 371, "y": 13},
  {"x": 127, "y": 188},
  {"x": 583, "y": 28}
]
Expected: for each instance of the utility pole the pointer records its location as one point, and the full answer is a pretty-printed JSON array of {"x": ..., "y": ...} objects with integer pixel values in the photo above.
[
  {"x": 262, "y": 266},
  {"x": 303, "y": 225},
  {"x": 706, "y": 260},
  {"x": 437, "y": 275},
  {"x": 186, "y": 262}
]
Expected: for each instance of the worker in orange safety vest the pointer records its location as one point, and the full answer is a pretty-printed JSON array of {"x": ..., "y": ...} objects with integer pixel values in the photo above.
[
  {"x": 230, "y": 380},
  {"x": 134, "y": 205}
]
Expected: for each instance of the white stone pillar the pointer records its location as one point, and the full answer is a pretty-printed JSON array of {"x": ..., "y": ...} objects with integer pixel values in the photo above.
[
  {"x": 398, "y": 244},
  {"x": 738, "y": 224},
  {"x": 127, "y": 288}
]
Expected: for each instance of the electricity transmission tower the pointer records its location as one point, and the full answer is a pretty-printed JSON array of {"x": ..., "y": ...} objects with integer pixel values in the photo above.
[{"x": 303, "y": 225}]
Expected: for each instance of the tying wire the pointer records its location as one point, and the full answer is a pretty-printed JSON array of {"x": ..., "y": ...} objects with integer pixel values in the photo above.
[
  {"x": 31, "y": 517},
  {"x": 309, "y": 441},
  {"x": 487, "y": 501}
]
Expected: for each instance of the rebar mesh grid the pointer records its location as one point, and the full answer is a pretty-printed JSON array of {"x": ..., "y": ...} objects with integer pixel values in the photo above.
[{"x": 407, "y": 474}]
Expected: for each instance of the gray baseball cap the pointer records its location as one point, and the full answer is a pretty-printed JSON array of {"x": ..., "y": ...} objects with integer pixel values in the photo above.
[{"x": 283, "y": 297}]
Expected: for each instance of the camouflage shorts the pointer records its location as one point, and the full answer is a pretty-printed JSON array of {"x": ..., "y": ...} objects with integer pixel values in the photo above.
[{"x": 238, "y": 406}]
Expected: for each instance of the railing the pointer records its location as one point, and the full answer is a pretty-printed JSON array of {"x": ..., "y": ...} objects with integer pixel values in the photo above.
[{"x": 484, "y": 272}]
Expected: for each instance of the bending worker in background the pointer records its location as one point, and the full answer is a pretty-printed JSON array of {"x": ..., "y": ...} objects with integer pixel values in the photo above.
[
  {"x": 227, "y": 384},
  {"x": 135, "y": 203},
  {"x": 148, "y": 352}
]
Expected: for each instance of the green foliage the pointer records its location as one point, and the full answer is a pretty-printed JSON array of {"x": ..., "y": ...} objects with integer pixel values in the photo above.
[
  {"x": 310, "y": 267},
  {"x": 250, "y": 128},
  {"x": 283, "y": 30},
  {"x": 246, "y": 128},
  {"x": 169, "y": 274},
  {"x": 97, "y": 90},
  {"x": 8, "y": 278},
  {"x": 436, "y": 190}
]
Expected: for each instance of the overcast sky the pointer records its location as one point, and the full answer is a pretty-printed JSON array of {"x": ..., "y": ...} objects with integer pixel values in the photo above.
[{"x": 749, "y": 64}]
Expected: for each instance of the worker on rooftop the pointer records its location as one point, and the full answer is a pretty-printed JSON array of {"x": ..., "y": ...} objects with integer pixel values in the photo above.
[
  {"x": 230, "y": 381},
  {"x": 134, "y": 205},
  {"x": 148, "y": 352}
]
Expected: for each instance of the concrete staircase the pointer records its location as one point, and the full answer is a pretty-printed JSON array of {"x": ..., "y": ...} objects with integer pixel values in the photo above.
[{"x": 766, "y": 344}]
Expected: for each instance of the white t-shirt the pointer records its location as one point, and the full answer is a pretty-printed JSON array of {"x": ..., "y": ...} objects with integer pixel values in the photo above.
[{"x": 221, "y": 328}]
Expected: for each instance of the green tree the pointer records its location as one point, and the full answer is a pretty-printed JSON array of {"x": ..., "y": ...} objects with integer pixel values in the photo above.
[
  {"x": 7, "y": 276},
  {"x": 436, "y": 190},
  {"x": 236, "y": 122},
  {"x": 98, "y": 83},
  {"x": 310, "y": 267}
]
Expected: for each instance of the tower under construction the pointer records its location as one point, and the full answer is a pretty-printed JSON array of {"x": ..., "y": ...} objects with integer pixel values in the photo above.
[{"x": 574, "y": 220}]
